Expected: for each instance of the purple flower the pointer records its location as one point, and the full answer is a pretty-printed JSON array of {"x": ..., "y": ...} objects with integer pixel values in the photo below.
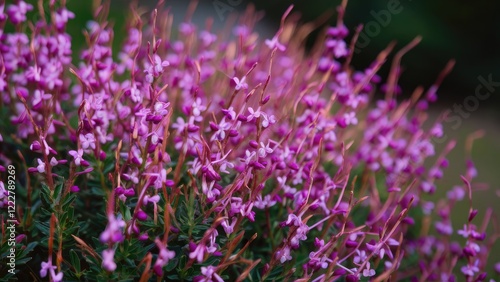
[
  {"x": 267, "y": 120},
  {"x": 350, "y": 118},
  {"x": 339, "y": 47},
  {"x": 209, "y": 274},
  {"x": 164, "y": 256},
  {"x": 368, "y": 272},
  {"x": 160, "y": 110},
  {"x": 360, "y": 257},
  {"x": 464, "y": 232},
  {"x": 2, "y": 18},
  {"x": 47, "y": 267},
  {"x": 62, "y": 17},
  {"x": 470, "y": 270},
  {"x": 248, "y": 157},
  {"x": 78, "y": 156},
  {"x": 148, "y": 199},
  {"x": 239, "y": 84},
  {"x": 457, "y": 193},
  {"x": 340, "y": 31},
  {"x": 300, "y": 235},
  {"x": 444, "y": 228},
  {"x": 254, "y": 114},
  {"x": 198, "y": 253},
  {"x": 207, "y": 38},
  {"x": 471, "y": 249},
  {"x": 34, "y": 74},
  {"x": 3, "y": 195},
  {"x": 497, "y": 267},
  {"x": 262, "y": 203},
  {"x": 264, "y": 150},
  {"x": 41, "y": 166},
  {"x": 114, "y": 230},
  {"x": 87, "y": 140},
  {"x": 293, "y": 220},
  {"x": 228, "y": 228},
  {"x": 274, "y": 43},
  {"x": 155, "y": 68},
  {"x": 284, "y": 254},
  {"x": 108, "y": 260},
  {"x": 17, "y": 13}
]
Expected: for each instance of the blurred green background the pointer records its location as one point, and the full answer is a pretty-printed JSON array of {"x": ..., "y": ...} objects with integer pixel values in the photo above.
[
  {"x": 462, "y": 30},
  {"x": 467, "y": 31}
]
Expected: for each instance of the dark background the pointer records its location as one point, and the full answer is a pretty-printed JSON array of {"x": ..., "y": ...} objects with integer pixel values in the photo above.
[{"x": 467, "y": 31}]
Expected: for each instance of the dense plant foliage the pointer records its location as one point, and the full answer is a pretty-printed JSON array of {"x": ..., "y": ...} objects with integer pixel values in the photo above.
[{"x": 200, "y": 155}]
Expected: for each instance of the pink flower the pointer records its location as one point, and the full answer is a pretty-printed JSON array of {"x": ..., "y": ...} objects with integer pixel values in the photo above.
[
  {"x": 17, "y": 13},
  {"x": 470, "y": 270},
  {"x": 87, "y": 140},
  {"x": 209, "y": 274},
  {"x": 207, "y": 38},
  {"x": 41, "y": 166},
  {"x": 108, "y": 260},
  {"x": 274, "y": 43},
  {"x": 114, "y": 230},
  {"x": 198, "y": 253},
  {"x": 148, "y": 199},
  {"x": 444, "y": 228},
  {"x": 62, "y": 16},
  {"x": 3, "y": 192},
  {"x": 284, "y": 254},
  {"x": 2, "y": 18},
  {"x": 254, "y": 114},
  {"x": 239, "y": 84},
  {"x": 248, "y": 157},
  {"x": 163, "y": 257},
  {"x": 350, "y": 118},
  {"x": 160, "y": 110},
  {"x": 497, "y": 267},
  {"x": 229, "y": 113},
  {"x": 464, "y": 232},
  {"x": 47, "y": 267},
  {"x": 360, "y": 257},
  {"x": 293, "y": 220},
  {"x": 300, "y": 235},
  {"x": 155, "y": 69},
  {"x": 78, "y": 156},
  {"x": 228, "y": 228},
  {"x": 264, "y": 150},
  {"x": 261, "y": 203},
  {"x": 367, "y": 272},
  {"x": 33, "y": 74},
  {"x": 267, "y": 120}
]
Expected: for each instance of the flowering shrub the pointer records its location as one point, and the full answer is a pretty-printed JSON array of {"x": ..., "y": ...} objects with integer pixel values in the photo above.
[{"x": 197, "y": 155}]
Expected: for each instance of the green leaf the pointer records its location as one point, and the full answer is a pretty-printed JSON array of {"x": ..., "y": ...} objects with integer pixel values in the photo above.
[
  {"x": 46, "y": 196},
  {"x": 28, "y": 249},
  {"x": 68, "y": 200},
  {"x": 57, "y": 193},
  {"x": 23, "y": 260},
  {"x": 172, "y": 264},
  {"x": 109, "y": 165}
]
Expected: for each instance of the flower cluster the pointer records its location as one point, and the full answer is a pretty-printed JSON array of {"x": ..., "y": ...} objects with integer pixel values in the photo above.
[{"x": 192, "y": 154}]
